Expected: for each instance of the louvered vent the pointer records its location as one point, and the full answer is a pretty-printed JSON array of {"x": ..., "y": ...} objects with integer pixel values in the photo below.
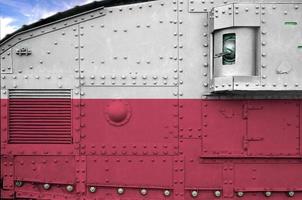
[{"x": 40, "y": 116}]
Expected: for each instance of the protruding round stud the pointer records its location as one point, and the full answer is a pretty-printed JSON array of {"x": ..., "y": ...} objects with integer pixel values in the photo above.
[
  {"x": 144, "y": 192},
  {"x": 118, "y": 112},
  {"x": 268, "y": 193},
  {"x": 46, "y": 186},
  {"x": 92, "y": 189},
  {"x": 18, "y": 183},
  {"x": 240, "y": 194},
  {"x": 194, "y": 193},
  {"x": 120, "y": 190},
  {"x": 217, "y": 193},
  {"x": 167, "y": 193},
  {"x": 69, "y": 188},
  {"x": 291, "y": 193}
]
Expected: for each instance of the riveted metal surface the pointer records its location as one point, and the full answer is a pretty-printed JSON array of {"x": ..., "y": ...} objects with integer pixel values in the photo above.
[
  {"x": 281, "y": 69},
  {"x": 283, "y": 136},
  {"x": 6, "y": 62},
  {"x": 129, "y": 92},
  {"x": 33, "y": 191},
  {"x": 178, "y": 176},
  {"x": 98, "y": 137},
  {"x": 197, "y": 6},
  {"x": 194, "y": 53},
  {"x": 81, "y": 174},
  {"x": 48, "y": 66},
  {"x": 247, "y": 15},
  {"x": 226, "y": 114},
  {"x": 117, "y": 171},
  {"x": 189, "y": 119},
  {"x": 244, "y": 82},
  {"x": 250, "y": 138},
  {"x": 249, "y": 177},
  {"x": 222, "y": 83},
  {"x": 160, "y": 133},
  {"x": 45, "y": 169},
  {"x": 193, "y": 164},
  {"x": 228, "y": 180},
  {"x": 223, "y": 16},
  {"x": 7, "y": 176},
  {"x": 113, "y": 48},
  {"x": 47, "y": 28}
]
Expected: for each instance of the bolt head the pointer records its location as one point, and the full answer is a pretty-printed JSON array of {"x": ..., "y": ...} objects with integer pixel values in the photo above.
[
  {"x": 268, "y": 194},
  {"x": 194, "y": 193},
  {"x": 167, "y": 193},
  {"x": 143, "y": 192},
  {"x": 18, "y": 183},
  {"x": 291, "y": 193},
  {"x": 69, "y": 188},
  {"x": 120, "y": 190},
  {"x": 217, "y": 193},
  {"x": 92, "y": 189},
  {"x": 46, "y": 186},
  {"x": 240, "y": 194}
]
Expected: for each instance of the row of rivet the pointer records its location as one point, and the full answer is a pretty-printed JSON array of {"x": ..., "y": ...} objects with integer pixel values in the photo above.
[
  {"x": 93, "y": 189},
  {"x": 121, "y": 191},
  {"x": 217, "y": 193},
  {"x": 66, "y": 24},
  {"x": 264, "y": 54},
  {"x": 46, "y": 186}
]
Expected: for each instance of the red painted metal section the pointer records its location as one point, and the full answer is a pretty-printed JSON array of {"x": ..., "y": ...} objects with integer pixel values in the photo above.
[{"x": 231, "y": 146}]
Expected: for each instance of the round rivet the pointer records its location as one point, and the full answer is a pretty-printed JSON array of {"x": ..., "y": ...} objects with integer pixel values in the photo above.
[
  {"x": 19, "y": 183},
  {"x": 120, "y": 190},
  {"x": 291, "y": 193},
  {"x": 217, "y": 193},
  {"x": 167, "y": 193},
  {"x": 92, "y": 189},
  {"x": 46, "y": 186},
  {"x": 143, "y": 192},
  {"x": 240, "y": 194},
  {"x": 194, "y": 193},
  {"x": 268, "y": 194},
  {"x": 69, "y": 188}
]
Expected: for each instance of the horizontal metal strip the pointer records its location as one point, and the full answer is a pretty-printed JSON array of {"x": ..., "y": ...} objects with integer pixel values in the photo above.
[
  {"x": 51, "y": 125},
  {"x": 66, "y": 130},
  {"x": 40, "y": 100},
  {"x": 40, "y": 142},
  {"x": 38, "y": 97},
  {"x": 39, "y": 136},
  {"x": 39, "y": 90},
  {"x": 38, "y": 120},
  {"x": 40, "y": 133},
  {"x": 36, "y": 106},
  {"x": 40, "y": 112},
  {"x": 36, "y": 109}
]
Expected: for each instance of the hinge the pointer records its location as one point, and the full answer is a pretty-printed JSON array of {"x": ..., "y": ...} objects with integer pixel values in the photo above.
[{"x": 246, "y": 107}]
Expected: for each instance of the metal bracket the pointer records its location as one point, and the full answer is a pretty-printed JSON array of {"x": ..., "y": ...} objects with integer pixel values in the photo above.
[{"x": 23, "y": 52}]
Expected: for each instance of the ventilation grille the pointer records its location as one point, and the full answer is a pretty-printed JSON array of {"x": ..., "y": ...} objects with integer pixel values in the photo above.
[{"x": 40, "y": 117}]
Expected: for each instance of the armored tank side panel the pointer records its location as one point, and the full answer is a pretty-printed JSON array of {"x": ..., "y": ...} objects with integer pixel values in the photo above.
[{"x": 168, "y": 99}]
